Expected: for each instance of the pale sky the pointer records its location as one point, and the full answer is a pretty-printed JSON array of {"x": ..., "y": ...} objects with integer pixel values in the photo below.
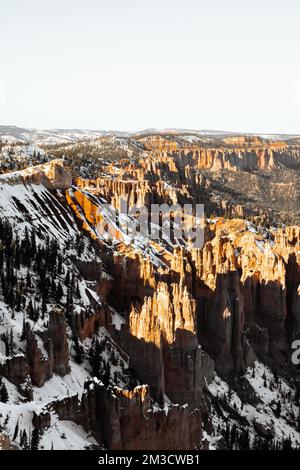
[{"x": 135, "y": 64}]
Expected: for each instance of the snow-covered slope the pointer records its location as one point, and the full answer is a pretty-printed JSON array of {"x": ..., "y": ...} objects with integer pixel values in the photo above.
[
  {"x": 271, "y": 409},
  {"x": 32, "y": 209},
  {"x": 34, "y": 206},
  {"x": 50, "y": 136}
]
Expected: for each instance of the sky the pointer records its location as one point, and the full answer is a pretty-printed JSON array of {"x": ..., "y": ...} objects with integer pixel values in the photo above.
[{"x": 136, "y": 64}]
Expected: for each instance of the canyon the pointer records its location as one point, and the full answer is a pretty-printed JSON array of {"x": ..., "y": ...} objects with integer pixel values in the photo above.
[{"x": 132, "y": 343}]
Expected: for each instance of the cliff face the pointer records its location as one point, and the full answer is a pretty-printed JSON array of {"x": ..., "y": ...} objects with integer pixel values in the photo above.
[
  {"x": 253, "y": 287},
  {"x": 58, "y": 337},
  {"x": 129, "y": 422},
  {"x": 40, "y": 365},
  {"x": 164, "y": 347},
  {"x": 15, "y": 369}
]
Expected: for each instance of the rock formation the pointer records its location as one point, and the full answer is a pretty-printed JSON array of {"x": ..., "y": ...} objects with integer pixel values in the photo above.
[{"x": 149, "y": 323}]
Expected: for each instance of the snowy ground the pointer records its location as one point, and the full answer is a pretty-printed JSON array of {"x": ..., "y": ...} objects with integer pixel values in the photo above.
[
  {"x": 62, "y": 434},
  {"x": 270, "y": 392}
]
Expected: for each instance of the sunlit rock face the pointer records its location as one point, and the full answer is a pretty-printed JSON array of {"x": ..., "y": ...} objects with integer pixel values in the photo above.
[{"x": 52, "y": 175}]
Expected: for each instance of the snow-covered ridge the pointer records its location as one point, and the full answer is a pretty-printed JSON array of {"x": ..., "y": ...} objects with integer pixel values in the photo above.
[
  {"x": 14, "y": 134},
  {"x": 275, "y": 413},
  {"x": 60, "y": 136}
]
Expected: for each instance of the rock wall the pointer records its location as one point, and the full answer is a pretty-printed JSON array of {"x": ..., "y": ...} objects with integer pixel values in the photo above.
[{"x": 129, "y": 422}]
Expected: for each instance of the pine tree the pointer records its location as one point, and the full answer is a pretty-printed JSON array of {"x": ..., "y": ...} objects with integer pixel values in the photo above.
[
  {"x": 59, "y": 292},
  {"x": 59, "y": 265},
  {"x": 35, "y": 439},
  {"x": 278, "y": 409},
  {"x": 32, "y": 244},
  {"x": 3, "y": 394},
  {"x": 44, "y": 306},
  {"x": 95, "y": 358},
  {"x": 28, "y": 279},
  {"x": 78, "y": 350},
  {"x": 106, "y": 376},
  {"x": 23, "y": 334},
  {"x": 245, "y": 442},
  {"x": 287, "y": 444},
  {"x": 4, "y": 338},
  {"x": 30, "y": 310},
  {"x": 24, "y": 440},
  {"x": 227, "y": 435},
  {"x": 19, "y": 298},
  {"x": 265, "y": 383},
  {"x": 233, "y": 435},
  {"x": 67, "y": 279},
  {"x": 16, "y": 432},
  {"x": 11, "y": 341}
]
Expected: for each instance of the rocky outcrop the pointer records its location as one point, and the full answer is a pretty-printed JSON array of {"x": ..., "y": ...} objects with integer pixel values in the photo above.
[
  {"x": 55, "y": 175},
  {"x": 41, "y": 420},
  {"x": 52, "y": 175},
  {"x": 80, "y": 410},
  {"x": 48, "y": 353},
  {"x": 15, "y": 369},
  {"x": 163, "y": 345},
  {"x": 128, "y": 421},
  {"x": 39, "y": 357},
  {"x": 58, "y": 336}
]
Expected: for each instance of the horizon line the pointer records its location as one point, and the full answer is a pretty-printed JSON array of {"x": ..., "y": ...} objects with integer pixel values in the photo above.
[{"x": 149, "y": 129}]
